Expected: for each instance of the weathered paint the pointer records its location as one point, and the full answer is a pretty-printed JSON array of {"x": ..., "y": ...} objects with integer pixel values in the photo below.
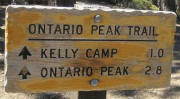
[{"x": 135, "y": 55}]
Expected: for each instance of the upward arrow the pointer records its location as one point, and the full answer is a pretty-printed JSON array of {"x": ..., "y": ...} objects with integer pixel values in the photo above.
[
  {"x": 24, "y": 72},
  {"x": 24, "y": 53}
]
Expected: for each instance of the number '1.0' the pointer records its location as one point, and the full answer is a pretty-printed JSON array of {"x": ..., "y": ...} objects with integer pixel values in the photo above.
[{"x": 157, "y": 53}]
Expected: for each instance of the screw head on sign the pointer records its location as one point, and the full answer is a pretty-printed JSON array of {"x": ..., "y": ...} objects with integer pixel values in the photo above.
[
  {"x": 94, "y": 82},
  {"x": 97, "y": 18}
]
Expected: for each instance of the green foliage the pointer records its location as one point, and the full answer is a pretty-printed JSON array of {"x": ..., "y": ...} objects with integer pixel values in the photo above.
[{"x": 142, "y": 4}]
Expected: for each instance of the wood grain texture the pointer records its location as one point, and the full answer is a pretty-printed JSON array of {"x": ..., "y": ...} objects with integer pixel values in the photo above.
[{"x": 52, "y": 49}]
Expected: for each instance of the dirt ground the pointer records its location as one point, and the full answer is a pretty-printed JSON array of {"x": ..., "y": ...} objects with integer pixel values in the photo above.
[{"x": 172, "y": 92}]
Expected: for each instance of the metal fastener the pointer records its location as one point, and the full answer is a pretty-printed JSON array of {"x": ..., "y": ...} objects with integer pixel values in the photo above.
[
  {"x": 94, "y": 82},
  {"x": 97, "y": 18}
]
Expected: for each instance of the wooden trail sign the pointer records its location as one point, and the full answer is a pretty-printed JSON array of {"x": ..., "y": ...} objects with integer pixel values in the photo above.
[{"x": 51, "y": 49}]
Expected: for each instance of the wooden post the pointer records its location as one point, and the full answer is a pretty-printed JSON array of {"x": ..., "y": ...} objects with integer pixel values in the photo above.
[{"x": 92, "y": 94}]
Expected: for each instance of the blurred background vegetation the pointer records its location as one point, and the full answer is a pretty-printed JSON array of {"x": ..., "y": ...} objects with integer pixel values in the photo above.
[
  {"x": 171, "y": 5},
  {"x": 164, "y": 5},
  {"x": 135, "y": 4}
]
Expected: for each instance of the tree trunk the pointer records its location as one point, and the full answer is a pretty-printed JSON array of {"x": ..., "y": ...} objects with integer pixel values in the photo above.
[
  {"x": 66, "y": 3},
  {"x": 168, "y": 5},
  {"x": 172, "y": 5}
]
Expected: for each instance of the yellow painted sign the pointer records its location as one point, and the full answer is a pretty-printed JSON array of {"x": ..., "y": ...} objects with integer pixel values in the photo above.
[{"x": 58, "y": 49}]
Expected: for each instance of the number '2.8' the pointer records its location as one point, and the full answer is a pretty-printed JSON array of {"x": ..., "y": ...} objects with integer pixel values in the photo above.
[{"x": 150, "y": 71}]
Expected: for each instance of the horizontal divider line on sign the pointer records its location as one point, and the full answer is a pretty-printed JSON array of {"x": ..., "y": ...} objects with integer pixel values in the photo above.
[{"x": 38, "y": 39}]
